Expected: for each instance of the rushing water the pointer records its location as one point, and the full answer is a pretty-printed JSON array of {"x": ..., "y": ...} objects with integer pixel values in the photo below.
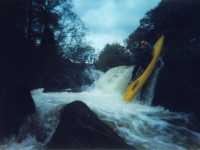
[{"x": 140, "y": 124}]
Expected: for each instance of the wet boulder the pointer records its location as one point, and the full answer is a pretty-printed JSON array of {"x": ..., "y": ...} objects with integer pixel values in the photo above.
[
  {"x": 69, "y": 75},
  {"x": 79, "y": 127}
]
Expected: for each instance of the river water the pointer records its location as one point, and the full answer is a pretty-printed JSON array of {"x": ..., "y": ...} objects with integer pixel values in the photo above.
[{"x": 144, "y": 126}]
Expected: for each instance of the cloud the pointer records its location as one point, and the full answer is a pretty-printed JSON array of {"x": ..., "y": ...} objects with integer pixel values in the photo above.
[{"x": 111, "y": 20}]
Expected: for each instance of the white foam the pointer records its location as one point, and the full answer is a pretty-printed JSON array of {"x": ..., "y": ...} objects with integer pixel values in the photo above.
[{"x": 141, "y": 125}]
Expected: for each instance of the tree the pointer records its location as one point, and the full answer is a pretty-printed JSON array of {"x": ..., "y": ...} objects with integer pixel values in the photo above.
[
  {"x": 113, "y": 55},
  {"x": 32, "y": 39},
  {"x": 178, "y": 84},
  {"x": 55, "y": 32},
  {"x": 16, "y": 63}
]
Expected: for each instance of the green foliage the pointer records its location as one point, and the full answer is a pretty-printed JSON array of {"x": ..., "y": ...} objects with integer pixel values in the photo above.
[
  {"x": 58, "y": 17},
  {"x": 82, "y": 53},
  {"x": 55, "y": 31},
  {"x": 113, "y": 55},
  {"x": 178, "y": 21},
  {"x": 53, "y": 26},
  {"x": 36, "y": 35}
]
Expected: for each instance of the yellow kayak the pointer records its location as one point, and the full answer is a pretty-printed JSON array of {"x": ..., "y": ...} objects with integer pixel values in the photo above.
[{"x": 137, "y": 84}]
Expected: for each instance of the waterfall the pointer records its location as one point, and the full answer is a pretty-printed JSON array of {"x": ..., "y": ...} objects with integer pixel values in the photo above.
[
  {"x": 114, "y": 80},
  {"x": 141, "y": 125}
]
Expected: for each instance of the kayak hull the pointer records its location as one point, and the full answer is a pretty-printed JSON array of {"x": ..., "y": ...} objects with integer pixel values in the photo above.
[{"x": 137, "y": 84}]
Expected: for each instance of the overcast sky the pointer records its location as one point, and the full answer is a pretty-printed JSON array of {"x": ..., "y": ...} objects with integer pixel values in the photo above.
[{"x": 111, "y": 21}]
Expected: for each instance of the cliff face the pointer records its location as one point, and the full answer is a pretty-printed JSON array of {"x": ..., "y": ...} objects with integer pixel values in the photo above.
[{"x": 178, "y": 86}]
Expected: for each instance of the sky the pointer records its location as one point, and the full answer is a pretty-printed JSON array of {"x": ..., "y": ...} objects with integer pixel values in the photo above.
[{"x": 111, "y": 21}]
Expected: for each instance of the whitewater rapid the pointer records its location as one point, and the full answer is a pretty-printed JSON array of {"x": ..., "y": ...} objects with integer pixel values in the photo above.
[{"x": 138, "y": 123}]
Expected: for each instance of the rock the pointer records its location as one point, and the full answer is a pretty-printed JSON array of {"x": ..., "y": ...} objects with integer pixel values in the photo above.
[
  {"x": 79, "y": 127},
  {"x": 16, "y": 105},
  {"x": 69, "y": 75},
  {"x": 178, "y": 88}
]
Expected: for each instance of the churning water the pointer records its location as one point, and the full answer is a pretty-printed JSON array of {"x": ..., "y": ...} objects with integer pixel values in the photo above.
[{"x": 140, "y": 124}]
